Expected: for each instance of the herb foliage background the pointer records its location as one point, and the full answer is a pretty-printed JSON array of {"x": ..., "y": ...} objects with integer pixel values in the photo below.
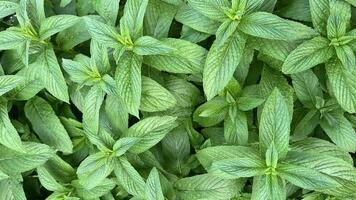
[{"x": 177, "y": 99}]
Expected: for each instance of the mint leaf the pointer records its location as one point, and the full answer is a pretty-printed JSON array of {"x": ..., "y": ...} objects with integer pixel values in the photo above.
[
  {"x": 47, "y": 125},
  {"x": 274, "y": 124},
  {"x": 308, "y": 55},
  {"x": 269, "y": 26}
]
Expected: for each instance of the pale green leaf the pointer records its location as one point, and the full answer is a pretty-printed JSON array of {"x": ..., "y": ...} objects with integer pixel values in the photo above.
[
  {"x": 307, "y": 88},
  {"x": 307, "y": 55},
  {"x": 94, "y": 169},
  {"x": 11, "y": 38},
  {"x": 346, "y": 56},
  {"x": 238, "y": 168},
  {"x": 221, "y": 62},
  {"x": 269, "y": 26},
  {"x": 132, "y": 20},
  {"x": 150, "y": 131},
  {"x": 213, "y": 9},
  {"x": 107, "y": 9},
  {"x": 235, "y": 127},
  {"x": 343, "y": 85},
  {"x": 47, "y": 69},
  {"x": 34, "y": 155},
  {"x": 55, "y": 24},
  {"x": 103, "y": 33},
  {"x": 305, "y": 177},
  {"x": 7, "y": 8},
  {"x": 153, "y": 186},
  {"x": 187, "y": 57},
  {"x": 8, "y": 134},
  {"x": 147, "y": 45},
  {"x": 275, "y": 124},
  {"x": 155, "y": 97},
  {"x": 47, "y": 125},
  {"x": 341, "y": 133},
  {"x": 129, "y": 178},
  {"x": 128, "y": 81},
  {"x": 205, "y": 187},
  {"x": 9, "y": 82},
  {"x": 320, "y": 11},
  {"x": 339, "y": 19},
  {"x": 268, "y": 187}
]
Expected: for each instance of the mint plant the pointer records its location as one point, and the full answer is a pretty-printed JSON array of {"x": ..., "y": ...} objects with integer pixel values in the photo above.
[{"x": 177, "y": 99}]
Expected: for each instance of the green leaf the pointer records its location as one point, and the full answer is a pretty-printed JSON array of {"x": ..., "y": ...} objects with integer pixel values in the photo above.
[
  {"x": 352, "y": 2},
  {"x": 235, "y": 127},
  {"x": 117, "y": 115},
  {"x": 305, "y": 177},
  {"x": 206, "y": 187},
  {"x": 79, "y": 33},
  {"x": 64, "y": 3},
  {"x": 271, "y": 79},
  {"x": 27, "y": 88},
  {"x": 103, "y": 33},
  {"x": 47, "y": 69},
  {"x": 186, "y": 93},
  {"x": 269, "y": 26},
  {"x": 238, "y": 168},
  {"x": 47, "y": 180},
  {"x": 339, "y": 18},
  {"x": 307, "y": 88},
  {"x": 132, "y": 20},
  {"x": 320, "y": 11},
  {"x": 11, "y": 38},
  {"x": 128, "y": 81},
  {"x": 104, "y": 188},
  {"x": 307, "y": 55},
  {"x": 344, "y": 173},
  {"x": 150, "y": 131},
  {"x": 124, "y": 144},
  {"x": 129, "y": 178},
  {"x": 80, "y": 73},
  {"x": 212, "y": 112},
  {"x": 158, "y": 18},
  {"x": 55, "y": 24},
  {"x": 8, "y": 134},
  {"x": 91, "y": 111},
  {"x": 268, "y": 187},
  {"x": 247, "y": 103},
  {"x": 343, "y": 84},
  {"x": 341, "y": 133},
  {"x": 7, "y": 8},
  {"x": 155, "y": 97},
  {"x": 271, "y": 156},
  {"x": 94, "y": 169},
  {"x": 147, "y": 45},
  {"x": 307, "y": 124},
  {"x": 11, "y": 189},
  {"x": 153, "y": 186},
  {"x": 47, "y": 125},
  {"x": 213, "y": 9},
  {"x": 3, "y": 176},
  {"x": 9, "y": 82},
  {"x": 275, "y": 124},
  {"x": 212, "y": 154},
  {"x": 320, "y": 147},
  {"x": 187, "y": 58},
  {"x": 107, "y": 9},
  {"x": 221, "y": 62},
  {"x": 346, "y": 56},
  {"x": 195, "y": 20},
  {"x": 34, "y": 155}
]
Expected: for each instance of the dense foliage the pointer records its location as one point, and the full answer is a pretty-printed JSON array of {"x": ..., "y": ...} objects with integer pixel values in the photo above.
[{"x": 177, "y": 99}]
